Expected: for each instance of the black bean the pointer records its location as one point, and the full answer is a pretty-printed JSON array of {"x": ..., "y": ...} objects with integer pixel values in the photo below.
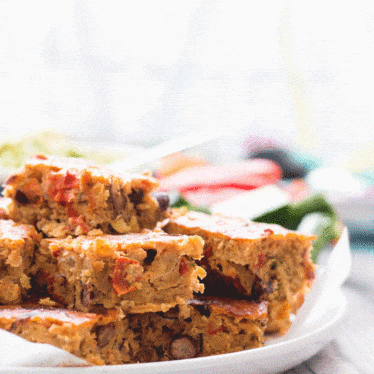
[
  {"x": 25, "y": 317},
  {"x": 162, "y": 199},
  {"x": 117, "y": 198},
  {"x": 136, "y": 196},
  {"x": 151, "y": 254},
  {"x": 87, "y": 294},
  {"x": 258, "y": 291},
  {"x": 160, "y": 351},
  {"x": 203, "y": 310},
  {"x": 105, "y": 334},
  {"x": 21, "y": 198}
]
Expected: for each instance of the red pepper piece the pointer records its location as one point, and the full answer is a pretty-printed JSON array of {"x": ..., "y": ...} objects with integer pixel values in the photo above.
[
  {"x": 71, "y": 212},
  {"x": 70, "y": 181},
  {"x": 269, "y": 232},
  {"x": 208, "y": 251},
  {"x": 261, "y": 261},
  {"x": 119, "y": 281},
  {"x": 81, "y": 223},
  {"x": 41, "y": 157},
  {"x": 212, "y": 331},
  {"x": 183, "y": 267},
  {"x": 56, "y": 253},
  {"x": 61, "y": 186}
]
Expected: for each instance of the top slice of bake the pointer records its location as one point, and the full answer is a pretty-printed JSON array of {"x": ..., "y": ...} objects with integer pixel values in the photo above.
[
  {"x": 67, "y": 196},
  {"x": 257, "y": 258}
]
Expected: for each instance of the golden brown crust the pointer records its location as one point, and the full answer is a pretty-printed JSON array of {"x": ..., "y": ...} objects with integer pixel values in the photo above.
[
  {"x": 232, "y": 228},
  {"x": 236, "y": 308},
  {"x": 80, "y": 167}
]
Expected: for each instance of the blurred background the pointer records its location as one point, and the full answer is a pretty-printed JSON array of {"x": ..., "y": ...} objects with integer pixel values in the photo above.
[{"x": 293, "y": 75}]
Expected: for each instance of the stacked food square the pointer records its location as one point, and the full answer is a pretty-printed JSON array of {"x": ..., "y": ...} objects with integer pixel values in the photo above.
[{"x": 96, "y": 263}]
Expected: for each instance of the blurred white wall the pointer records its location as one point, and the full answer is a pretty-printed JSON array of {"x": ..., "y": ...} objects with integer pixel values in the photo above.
[{"x": 300, "y": 72}]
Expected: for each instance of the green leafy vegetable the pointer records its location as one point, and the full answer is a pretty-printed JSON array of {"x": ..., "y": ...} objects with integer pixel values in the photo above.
[
  {"x": 314, "y": 212},
  {"x": 326, "y": 224},
  {"x": 180, "y": 202}
]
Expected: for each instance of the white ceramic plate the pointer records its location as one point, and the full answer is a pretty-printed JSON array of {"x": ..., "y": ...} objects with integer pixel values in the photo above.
[{"x": 278, "y": 355}]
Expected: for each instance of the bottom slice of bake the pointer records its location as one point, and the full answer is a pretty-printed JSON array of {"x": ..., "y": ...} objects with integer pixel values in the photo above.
[
  {"x": 214, "y": 326},
  {"x": 97, "y": 338}
]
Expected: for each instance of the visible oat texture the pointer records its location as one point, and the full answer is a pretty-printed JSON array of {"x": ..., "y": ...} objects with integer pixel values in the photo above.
[
  {"x": 138, "y": 273},
  {"x": 214, "y": 326},
  {"x": 17, "y": 245},
  {"x": 97, "y": 338}
]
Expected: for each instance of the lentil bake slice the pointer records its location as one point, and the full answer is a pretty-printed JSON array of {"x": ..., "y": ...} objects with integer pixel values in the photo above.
[
  {"x": 17, "y": 247},
  {"x": 69, "y": 196},
  {"x": 99, "y": 338},
  {"x": 260, "y": 260},
  {"x": 144, "y": 272},
  {"x": 213, "y": 326}
]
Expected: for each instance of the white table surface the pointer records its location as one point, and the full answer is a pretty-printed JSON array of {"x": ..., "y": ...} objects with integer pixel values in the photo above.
[{"x": 352, "y": 350}]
